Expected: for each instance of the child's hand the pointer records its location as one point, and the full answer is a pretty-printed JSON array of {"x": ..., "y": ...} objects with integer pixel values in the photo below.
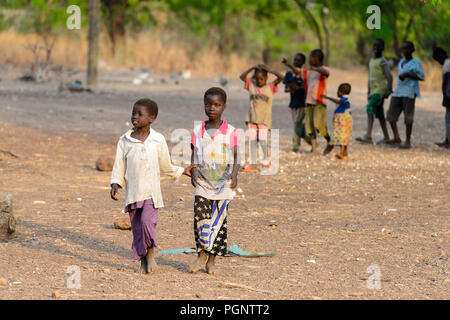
[
  {"x": 187, "y": 171},
  {"x": 194, "y": 176},
  {"x": 114, "y": 190},
  {"x": 284, "y": 61},
  {"x": 402, "y": 76},
  {"x": 262, "y": 66},
  {"x": 323, "y": 96},
  {"x": 233, "y": 182}
]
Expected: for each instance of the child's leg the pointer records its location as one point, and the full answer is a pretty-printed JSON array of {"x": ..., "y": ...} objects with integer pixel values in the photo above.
[
  {"x": 262, "y": 138},
  {"x": 144, "y": 267},
  {"x": 384, "y": 128},
  {"x": 296, "y": 140},
  {"x": 200, "y": 262},
  {"x": 309, "y": 127},
  {"x": 210, "y": 267},
  {"x": 151, "y": 263},
  {"x": 370, "y": 119},
  {"x": 253, "y": 144}
]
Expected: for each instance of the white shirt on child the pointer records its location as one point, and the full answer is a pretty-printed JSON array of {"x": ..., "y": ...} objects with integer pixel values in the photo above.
[
  {"x": 138, "y": 164},
  {"x": 214, "y": 157}
]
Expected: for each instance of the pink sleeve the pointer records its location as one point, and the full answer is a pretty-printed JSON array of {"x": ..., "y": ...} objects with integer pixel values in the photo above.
[
  {"x": 247, "y": 84},
  {"x": 273, "y": 87},
  {"x": 233, "y": 139},
  {"x": 193, "y": 139}
]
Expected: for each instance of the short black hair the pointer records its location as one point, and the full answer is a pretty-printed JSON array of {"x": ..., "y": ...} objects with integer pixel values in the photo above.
[
  {"x": 216, "y": 91},
  {"x": 380, "y": 41},
  {"x": 301, "y": 55},
  {"x": 258, "y": 71},
  {"x": 345, "y": 88},
  {"x": 411, "y": 44},
  {"x": 149, "y": 104},
  {"x": 317, "y": 53},
  {"x": 439, "y": 52}
]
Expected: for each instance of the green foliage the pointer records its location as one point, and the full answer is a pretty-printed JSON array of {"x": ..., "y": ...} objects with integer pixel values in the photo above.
[{"x": 252, "y": 28}]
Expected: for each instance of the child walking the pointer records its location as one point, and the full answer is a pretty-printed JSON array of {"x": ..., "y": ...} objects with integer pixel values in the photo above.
[
  {"x": 142, "y": 153},
  {"x": 342, "y": 120},
  {"x": 295, "y": 86},
  {"x": 215, "y": 163},
  {"x": 379, "y": 89},
  {"x": 259, "y": 116}
]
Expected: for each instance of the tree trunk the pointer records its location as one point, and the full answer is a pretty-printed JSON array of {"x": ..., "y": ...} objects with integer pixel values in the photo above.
[
  {"x": 94, "y": 28},
  {"x": 116, "y": 10},
  {"x": 311, "y": 20},
  {"x": 266, "y": 55},
  {"x": 327, "y": 37}
]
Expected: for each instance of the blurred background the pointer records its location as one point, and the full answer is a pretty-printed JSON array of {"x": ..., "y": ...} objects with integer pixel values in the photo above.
[{"x": 212, "y": 37}]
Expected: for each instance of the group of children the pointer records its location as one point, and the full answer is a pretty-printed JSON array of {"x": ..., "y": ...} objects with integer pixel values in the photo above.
[{"x": 142, "y": 153}]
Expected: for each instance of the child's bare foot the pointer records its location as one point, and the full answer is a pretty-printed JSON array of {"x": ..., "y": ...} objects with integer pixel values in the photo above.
[
  {"x": 394, "y": 142},
  {"x": 143, "y": 269},
  {"x": 248, "y": 168},
  {"x": 365, "y": 139},
  {"x": 341, "y": 156},
  {"x": 210, "y": 267},
  {"x": 405, "y": 145},
  {"x": 150, "y": 258},
  {"x": 200, "y": 262},
  {"x": 328, "y": 149}
]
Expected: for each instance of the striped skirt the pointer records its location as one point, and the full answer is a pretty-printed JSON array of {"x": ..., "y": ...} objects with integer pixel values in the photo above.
[{"x": 210, "y": 225}]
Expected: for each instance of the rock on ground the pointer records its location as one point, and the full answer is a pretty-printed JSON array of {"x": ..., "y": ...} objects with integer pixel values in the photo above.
[
  {"x": 7, "y": 220},
  {"x": 122, "y": 223},
  {"x": 105, "y": 163}
]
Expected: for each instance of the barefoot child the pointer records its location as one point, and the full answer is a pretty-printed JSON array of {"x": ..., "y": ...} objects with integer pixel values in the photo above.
[
  {"x": 379, "y": 89},
  {"x": 315, "y": 78},
  {"x": 141, "y": 154},
  {"x": 214, "y": 155},
  {"x": 296, "y": 87},
  {"x": 410, "y": 72},
  {"x": 342, "y": 120},
  {"x": 259, "y": 117}
]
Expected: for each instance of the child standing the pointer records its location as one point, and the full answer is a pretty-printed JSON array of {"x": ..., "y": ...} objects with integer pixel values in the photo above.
[
  {"x": 410, "y": 72},
  {"x": 295, "y": 86},
  {"x": 379, "y": 88},
  {"x": 342, "y": 120},
  {"x": 141, "y": 154},
  {"x": 315, "y": 78},
  {"x": 259, "y": 117},
  {"x": 214, "y": 157}
]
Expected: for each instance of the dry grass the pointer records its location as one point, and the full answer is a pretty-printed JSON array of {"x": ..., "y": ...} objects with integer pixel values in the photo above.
[
  {"x": 151, "y": 51},
  {"x": 159, "y": 52}
]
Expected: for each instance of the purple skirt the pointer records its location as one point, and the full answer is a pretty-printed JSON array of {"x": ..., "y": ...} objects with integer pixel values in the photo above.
[{"x": 143, "y": 217}]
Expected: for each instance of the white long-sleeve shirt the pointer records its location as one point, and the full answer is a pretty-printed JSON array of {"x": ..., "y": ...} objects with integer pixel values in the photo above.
[{"x": 138, "y": 164}]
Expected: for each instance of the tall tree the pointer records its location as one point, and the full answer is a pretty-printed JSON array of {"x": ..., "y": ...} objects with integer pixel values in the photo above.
[{"x": 94, "y": 30}]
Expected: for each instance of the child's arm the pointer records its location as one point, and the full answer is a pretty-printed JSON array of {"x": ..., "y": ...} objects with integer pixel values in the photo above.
[
  {"x": 244, "y": 74},
  {"x": 118, "y": 172},
  {"x": 274, "y": 72},
  {"x": 387, "y": 73},
  {"x": 297, "y": 71},
  {"x": 236, "y": 166},
  {"x": 194, "y": 171},
  {"x": 416, "y": 74},
  {"x": 165, "y": 164},
  {"x": 337, "y": 101},
  {"x": 320, "y": 70}
]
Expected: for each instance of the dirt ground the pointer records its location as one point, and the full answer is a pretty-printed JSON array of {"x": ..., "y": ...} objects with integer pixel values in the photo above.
[{"x": 327, "y": 220}]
